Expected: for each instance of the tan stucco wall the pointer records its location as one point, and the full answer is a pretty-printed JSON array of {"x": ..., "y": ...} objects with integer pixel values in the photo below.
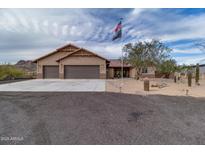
[
  {"x": 150, "y": 72},
  {"x": 51, "y": 60},
  {"x": 75, "y": 60}
]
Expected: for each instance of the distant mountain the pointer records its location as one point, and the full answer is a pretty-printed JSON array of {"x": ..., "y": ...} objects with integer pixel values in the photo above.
[{"x": 26, "y": 65}]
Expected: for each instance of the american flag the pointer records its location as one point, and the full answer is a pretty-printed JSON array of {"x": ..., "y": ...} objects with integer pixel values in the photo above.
[{"x": 118, "y": 31}]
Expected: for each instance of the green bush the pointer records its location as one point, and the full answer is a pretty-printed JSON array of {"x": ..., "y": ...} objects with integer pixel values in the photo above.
[{"x": 10, "y": 72}]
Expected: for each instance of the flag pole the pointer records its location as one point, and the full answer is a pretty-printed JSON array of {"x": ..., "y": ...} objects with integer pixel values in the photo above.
[
  {"x": 118, "y": 31},
  {"x": 121, "y": 84}
]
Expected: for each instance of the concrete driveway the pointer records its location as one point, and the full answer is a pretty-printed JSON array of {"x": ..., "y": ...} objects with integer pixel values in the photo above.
[{"x": 55, "y": 85}]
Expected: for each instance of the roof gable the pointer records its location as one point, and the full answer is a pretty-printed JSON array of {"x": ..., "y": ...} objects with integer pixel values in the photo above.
[
  {"x": 67, "y": 48},
  {"x": 82, "y": 53}
]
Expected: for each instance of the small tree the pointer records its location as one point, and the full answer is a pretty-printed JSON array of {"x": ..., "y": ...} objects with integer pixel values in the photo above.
[
  {"x": 197, "y": 74},
  {"x": 144, "y": 54},
  {"x": 167, "y": 67}
]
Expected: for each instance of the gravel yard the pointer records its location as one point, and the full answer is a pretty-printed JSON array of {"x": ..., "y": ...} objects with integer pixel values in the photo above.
[
  {"x": 100, "y": 118},
  {"x": 131, "y": 86}
]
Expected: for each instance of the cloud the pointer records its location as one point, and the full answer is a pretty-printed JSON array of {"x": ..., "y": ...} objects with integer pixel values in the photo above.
[
  {"x": 190, "y": 59},
  {"x": 135, "y": 13},
  {"x": 187, "y": 28},
  {"x": 188, "y": 51},
  {"x": 34, "y": 32}
]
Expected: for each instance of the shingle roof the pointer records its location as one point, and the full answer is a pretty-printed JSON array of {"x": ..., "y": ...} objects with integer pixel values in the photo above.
[{"x": 117, "y": 63}]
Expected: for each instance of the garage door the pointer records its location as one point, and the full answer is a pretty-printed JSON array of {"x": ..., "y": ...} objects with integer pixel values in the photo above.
[
  {"x": 50, "y": 72},
  {"x": 82, "y": 71}
]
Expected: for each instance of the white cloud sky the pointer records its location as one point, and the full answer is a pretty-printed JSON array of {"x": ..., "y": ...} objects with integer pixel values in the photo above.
[
  {"x": 29, "y": 33},
  {"x": 191, "y": 60}
]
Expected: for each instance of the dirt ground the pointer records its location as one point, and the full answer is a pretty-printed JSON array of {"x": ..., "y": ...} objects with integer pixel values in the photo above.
[
  {"x": 180, "y": 88},
  {"x": 100, "y": 118}
]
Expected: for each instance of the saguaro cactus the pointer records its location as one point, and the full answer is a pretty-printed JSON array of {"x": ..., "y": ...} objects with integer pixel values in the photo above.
[
  {"x": 197, "y": 74},
  {"x": 175, "y": 79},
  {"x": 189, "y": 74}
]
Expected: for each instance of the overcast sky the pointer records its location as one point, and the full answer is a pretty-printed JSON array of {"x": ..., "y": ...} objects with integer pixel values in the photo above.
[{"x": 30, "y": 33}]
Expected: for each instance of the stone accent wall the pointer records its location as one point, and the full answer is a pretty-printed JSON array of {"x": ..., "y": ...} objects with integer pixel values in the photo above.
[
  {"x": 102, "y": 76},
  {"x": 61, "y": 75},
  {"x": 110, "y": 73},
  {"x": 39, "y": 75}
]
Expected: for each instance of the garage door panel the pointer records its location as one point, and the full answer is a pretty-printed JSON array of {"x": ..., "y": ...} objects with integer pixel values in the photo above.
[
  {"x": 82, "y": 72},
  {"x": 51, "y": 72}
]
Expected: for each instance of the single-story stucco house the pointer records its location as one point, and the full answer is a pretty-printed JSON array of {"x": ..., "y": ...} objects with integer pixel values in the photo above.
[{"x": 73, "y": 62}]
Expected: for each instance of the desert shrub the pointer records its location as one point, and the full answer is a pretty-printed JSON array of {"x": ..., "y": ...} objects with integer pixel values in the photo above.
[{"x": 10, "y": 72}]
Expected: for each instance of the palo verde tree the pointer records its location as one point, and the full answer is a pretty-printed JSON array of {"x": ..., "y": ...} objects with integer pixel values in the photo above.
[
  {"x": 167, "y": 67},
  {"x": 146, "y": 53}
]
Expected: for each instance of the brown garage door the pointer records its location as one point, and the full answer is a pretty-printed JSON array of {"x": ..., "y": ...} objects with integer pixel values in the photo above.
[
  {"x": 82, "y": 71},
  {"x": 50, "y": 72}
]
